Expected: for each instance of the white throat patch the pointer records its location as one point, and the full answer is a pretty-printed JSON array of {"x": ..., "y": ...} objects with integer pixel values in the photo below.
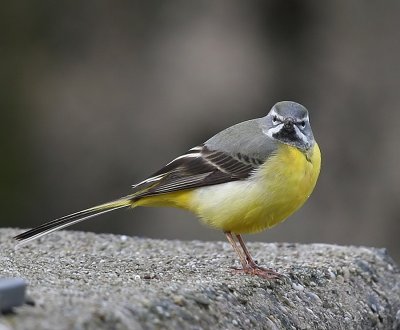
[{"x": 272, "y": 130}]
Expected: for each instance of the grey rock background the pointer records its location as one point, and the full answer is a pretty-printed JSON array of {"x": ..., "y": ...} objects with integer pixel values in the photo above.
[
  {"x": 86, "y": 281},
  {"x": 97, "y": 95}
]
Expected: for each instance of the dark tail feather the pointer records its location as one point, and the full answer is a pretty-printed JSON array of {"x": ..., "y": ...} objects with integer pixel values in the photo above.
[{"x": 71, "y": 219}]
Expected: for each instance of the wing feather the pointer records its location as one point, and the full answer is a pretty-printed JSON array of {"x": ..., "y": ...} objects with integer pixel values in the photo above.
[{"x": 199, "y": 167}]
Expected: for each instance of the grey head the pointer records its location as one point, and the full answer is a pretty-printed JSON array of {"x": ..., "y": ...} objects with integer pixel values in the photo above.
[{"x": 288, "y": 122}]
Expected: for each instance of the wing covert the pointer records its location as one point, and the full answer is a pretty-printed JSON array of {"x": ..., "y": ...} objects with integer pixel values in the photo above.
[{"x": 199, "y": 167}]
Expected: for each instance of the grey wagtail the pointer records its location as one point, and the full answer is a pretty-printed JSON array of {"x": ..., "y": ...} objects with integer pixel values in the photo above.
[{"x": 245, "y": 179}]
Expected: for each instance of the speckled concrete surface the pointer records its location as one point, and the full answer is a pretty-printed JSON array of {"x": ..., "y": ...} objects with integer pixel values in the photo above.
[{"x": 86, "y": 281}]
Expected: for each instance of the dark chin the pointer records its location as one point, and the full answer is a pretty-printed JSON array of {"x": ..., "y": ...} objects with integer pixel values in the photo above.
[{"x": 290, "y": 137}]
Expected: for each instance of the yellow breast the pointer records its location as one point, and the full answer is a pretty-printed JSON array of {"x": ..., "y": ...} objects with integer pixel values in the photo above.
[
  {"x": 290, "y": 178},
  {"x": 279, "y": 188},
  {"x": 274, "y": 192}
]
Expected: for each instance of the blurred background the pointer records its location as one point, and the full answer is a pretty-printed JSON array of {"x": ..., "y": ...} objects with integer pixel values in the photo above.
[{"x": 97, "y": 95}]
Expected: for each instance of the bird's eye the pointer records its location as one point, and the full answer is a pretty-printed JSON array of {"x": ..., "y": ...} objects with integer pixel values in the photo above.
[
  {"x": 303, "y": 124},
  {"x": 274, "y": 119}
]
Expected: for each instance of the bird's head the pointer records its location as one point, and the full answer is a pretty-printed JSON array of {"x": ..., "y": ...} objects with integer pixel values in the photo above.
[{"x": 288, "y": 122}]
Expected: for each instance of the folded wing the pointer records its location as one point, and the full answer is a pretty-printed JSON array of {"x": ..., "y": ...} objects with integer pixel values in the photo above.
[{"x": 199, "y": 167}]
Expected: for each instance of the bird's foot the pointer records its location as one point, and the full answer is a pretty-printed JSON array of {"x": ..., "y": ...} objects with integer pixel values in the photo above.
[{"x": 255, "y": 270}]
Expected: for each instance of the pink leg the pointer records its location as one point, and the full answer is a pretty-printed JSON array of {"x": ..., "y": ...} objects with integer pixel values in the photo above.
[
  {"x": 249, "y": 266},
  {"x": 240, "y": 254}
]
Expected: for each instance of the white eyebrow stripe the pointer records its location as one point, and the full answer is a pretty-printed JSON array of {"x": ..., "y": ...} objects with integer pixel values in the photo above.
[
  {"x": 303, "y": 119},
  {"x": 281, "y": 118},
  {"x": 278, "y": 116}
]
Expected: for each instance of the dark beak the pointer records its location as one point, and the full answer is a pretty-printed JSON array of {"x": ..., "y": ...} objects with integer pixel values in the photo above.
[{"x": 288, "y": 124}]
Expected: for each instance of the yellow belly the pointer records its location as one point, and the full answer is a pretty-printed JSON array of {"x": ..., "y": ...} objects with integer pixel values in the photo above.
[
  {"x": 274, "y": 192},
  {"x": 278, "y": 189}
]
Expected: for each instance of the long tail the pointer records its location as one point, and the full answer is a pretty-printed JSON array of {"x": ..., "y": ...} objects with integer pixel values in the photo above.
[{"x": 73, "y": 218}]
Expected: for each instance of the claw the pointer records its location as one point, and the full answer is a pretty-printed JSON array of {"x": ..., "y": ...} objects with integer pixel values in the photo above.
[
  {"x": 255, "y": 270},
  {"x": 249, "y": 266}
]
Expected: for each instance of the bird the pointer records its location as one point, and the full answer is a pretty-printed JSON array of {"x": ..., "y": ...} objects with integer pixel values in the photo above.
[{"x": 245, "y": 179}]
